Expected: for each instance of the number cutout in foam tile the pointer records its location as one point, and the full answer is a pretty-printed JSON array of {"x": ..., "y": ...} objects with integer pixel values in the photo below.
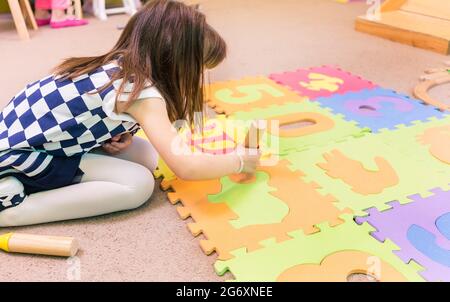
[
  {"x": 379, "y": 108},
  {"x": 246, "y": 94},
  {"x": 323, "y": 129}
]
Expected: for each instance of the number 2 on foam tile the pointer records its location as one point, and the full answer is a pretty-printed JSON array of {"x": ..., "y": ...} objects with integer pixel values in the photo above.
[{"x": 247, "y": 93}]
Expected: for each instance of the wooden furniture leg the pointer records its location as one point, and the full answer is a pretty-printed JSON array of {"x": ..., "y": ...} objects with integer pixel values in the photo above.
[
  {"x": 19, "y": 20},
  {"x": 78, "y": 9},
  {"x": 28, "y": 13}
]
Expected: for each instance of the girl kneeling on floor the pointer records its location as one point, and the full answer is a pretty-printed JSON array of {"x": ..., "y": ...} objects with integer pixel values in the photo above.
[{"x": 66, "y": 141}]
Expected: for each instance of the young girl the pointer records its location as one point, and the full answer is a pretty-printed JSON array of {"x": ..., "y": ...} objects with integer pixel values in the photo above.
[{"x": 50, "y": 130}]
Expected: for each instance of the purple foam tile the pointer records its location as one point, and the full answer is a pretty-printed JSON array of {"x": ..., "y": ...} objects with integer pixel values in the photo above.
[{"x": 395, "y": 224}]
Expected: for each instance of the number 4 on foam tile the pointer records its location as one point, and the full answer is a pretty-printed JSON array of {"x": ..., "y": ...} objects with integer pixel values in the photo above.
[{"x": 321, "y": 81}]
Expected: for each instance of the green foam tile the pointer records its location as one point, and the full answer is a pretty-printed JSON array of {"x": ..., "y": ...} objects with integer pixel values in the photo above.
[
  {"x": 268, "y": 263},
  {"x": 252, "y": 202},
  {"x": 341, "y": 130},
  {"x": 417, "y": 174}
]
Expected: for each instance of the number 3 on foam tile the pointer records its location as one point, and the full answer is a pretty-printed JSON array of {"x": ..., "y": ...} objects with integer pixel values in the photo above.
[
  {"x": 372, "y": 106},
  {"x": 248, "y": 93}
]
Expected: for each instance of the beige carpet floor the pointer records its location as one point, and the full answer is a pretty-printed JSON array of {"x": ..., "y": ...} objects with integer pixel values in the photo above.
[{"x": 264, "y": 36}]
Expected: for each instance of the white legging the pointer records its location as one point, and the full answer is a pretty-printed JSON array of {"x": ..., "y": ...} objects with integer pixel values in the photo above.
[{"x": 110, "y": 184}]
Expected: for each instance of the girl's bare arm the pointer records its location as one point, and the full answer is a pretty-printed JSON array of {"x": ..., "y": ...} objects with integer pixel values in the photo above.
[{"x": 152, "y": 115}]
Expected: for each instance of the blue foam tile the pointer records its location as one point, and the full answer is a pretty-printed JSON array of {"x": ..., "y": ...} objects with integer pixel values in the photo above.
[{"x": 379, "y": 108}]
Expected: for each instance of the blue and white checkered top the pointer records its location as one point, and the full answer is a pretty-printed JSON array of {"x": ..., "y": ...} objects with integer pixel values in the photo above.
[{"x": 61, "y": 118}]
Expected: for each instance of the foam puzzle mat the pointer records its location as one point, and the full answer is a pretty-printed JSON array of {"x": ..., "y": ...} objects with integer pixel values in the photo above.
[{"x": 364, "y": 187}]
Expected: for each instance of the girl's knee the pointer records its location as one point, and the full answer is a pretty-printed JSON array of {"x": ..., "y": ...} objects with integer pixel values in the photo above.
[
  {"x": 149, "y": 155},
  {"x": 10, "y": 217},
  {"x": 142, "y": 185}
]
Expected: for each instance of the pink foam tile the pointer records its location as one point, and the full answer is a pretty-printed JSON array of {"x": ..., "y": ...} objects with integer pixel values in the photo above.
[{"x": 322, "y": 81}]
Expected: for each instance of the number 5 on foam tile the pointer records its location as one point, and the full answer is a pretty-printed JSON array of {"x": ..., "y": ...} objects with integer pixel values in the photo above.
[{"x": 246, "y": 94}]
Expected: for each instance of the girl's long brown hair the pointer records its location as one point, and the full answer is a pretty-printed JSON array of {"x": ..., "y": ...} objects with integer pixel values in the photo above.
[{"x": 166, "y": 43}]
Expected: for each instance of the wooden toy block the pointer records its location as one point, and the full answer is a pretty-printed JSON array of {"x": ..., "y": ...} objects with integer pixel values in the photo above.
[{"x": 38, "y": 244}]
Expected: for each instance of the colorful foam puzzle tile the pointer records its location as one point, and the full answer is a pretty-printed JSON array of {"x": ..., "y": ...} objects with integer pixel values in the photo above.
[
  {"x": 163, "y": 171},
  {"x": 219, "y": 135},
  {"x": 365, "y": 172},
  {"x": 426, "y": 142},
  {"x": 379, "y": 108},
  {"x": 420, "y": 229},
  {"x": 322, "y": 128},
  {"x": 246, "y": 94},
  {"x": 321, "y": 81},
  {"x": 235, "y": 212},
  {"x": 330, "y": 255},
  {"x": 256, "y": 226}
]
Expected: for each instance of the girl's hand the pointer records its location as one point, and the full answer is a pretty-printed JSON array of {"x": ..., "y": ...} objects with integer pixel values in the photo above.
[
  {"x": 152, "y": 115},
  {"x": 118, "y": 143},
  {"x": 251, "y": 160}
]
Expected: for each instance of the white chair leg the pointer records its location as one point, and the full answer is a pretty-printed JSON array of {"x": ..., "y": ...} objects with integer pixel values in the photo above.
[
  {"x": 100, "y": 9},
  {"x": 130, "y": 6}
]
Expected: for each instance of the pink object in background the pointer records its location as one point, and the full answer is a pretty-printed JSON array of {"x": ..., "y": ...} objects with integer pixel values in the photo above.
[
  {"x": 68, "y": 23},
  {"x": 57, "y": 5},
  {"x": 321, "y": 81},
  {"x": 51, "y": 4},
  {"x": 42, "y": 22}
]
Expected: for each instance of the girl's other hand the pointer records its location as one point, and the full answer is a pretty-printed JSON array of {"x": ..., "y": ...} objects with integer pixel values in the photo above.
[{"x": 118, "y": 143}]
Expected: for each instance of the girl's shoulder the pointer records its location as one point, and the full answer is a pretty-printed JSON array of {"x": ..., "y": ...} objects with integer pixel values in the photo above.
[
  {"x": 113, "y": 101},
  {"x": 149, "y": 91}
]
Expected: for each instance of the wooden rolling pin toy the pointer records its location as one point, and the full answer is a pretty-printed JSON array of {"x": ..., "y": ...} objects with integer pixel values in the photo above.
[{"x": 39, "y": 244}]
